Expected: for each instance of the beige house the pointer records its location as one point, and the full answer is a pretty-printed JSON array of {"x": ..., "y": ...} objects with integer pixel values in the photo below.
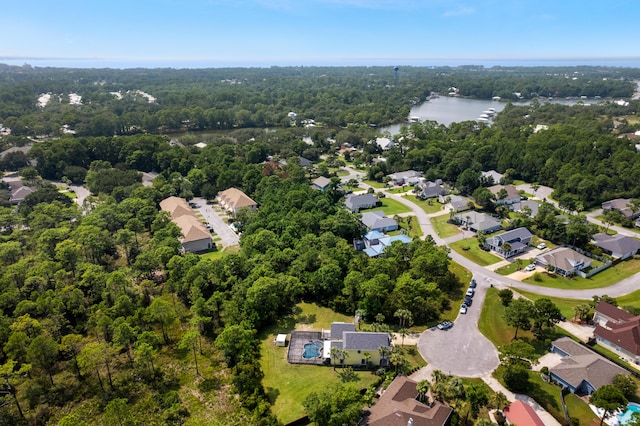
[
  {"x": 232, "y": 200},
  {"x": 195, "y": 236}
]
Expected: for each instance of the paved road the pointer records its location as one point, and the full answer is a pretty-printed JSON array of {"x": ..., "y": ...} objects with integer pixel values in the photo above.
[
  {"x": 222, "y": 230},
  {"x": 463, "y": 350}
]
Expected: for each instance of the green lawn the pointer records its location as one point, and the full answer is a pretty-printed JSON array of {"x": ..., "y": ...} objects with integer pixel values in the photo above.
[
  {"x": 415, "y": 231},
  {"x": 600, "y": 280},
  {"x": 375, "y": 184},
  {"x": 287, "y": 385},
  {"x": 469, "y": 249},
  {"x": 565, "y": 305},
  {"x": 391, "y": 207},
  {"x": 493, "y": 326},
  {"x": 429, "y": 206},
  {"x": 442, "y": 226},
  {"x": 400, "y": 189}
]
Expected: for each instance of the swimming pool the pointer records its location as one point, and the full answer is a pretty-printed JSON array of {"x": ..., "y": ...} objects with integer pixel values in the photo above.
[
  {"x": 312, "y": 350},
  {"x": 625, "y": 417}
]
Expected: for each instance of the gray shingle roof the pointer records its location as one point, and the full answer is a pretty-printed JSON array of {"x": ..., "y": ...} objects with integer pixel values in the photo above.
[
  {"x": 363, "y": 201},
  {"x": 377, "y": 220},
  {"x": 365, "y": 341},
  {"x": 337, "y": 328}
]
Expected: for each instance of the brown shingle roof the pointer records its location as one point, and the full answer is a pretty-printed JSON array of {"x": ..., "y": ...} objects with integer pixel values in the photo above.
[
  {"x": 623, "y": 331},
  {"x": 237, "y": 199},
  {"x": 584, "y": 365},
  {"x": 398, "y": 405},
  {"x": 182, "y": 215}
]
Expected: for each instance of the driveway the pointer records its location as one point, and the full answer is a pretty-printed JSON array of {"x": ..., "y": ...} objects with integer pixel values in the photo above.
[
  {"x": 461, "y": 350},
  {"x": 228, "y": 238}
]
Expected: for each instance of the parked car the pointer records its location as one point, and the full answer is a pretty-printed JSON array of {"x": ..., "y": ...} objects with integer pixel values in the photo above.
[
  {"x": 445, "y": 325},
  {"x": 470, "y": 292},
  {"x": 473, "y": 283},
  {"x": 463, "y": 309},
  {"x": 541, "y": 246},
  {"x": 468, "y": 301},
  {"x": 530, "y": 267}
]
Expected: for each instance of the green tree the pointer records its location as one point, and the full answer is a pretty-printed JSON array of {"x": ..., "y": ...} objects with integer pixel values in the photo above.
[
  {"x": 339, "y": 406},
  {"x": 518, "y": 315},
  {"x": 422, "y": 387},
  {"x": 237, "y": 343},
  {"x": 43, "y": 353},
  {"x": 518, "y": 352},
  {"x": 609, "y": 398},
  {"x": 117, "y": 412},
  {"x": 161, "y": 312},
  {"x": 189, "y": 341},
  {"x": 626, "y": 384}
]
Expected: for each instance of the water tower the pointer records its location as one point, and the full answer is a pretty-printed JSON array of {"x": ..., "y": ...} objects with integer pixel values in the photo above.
[{"x": 395, "y": 71}]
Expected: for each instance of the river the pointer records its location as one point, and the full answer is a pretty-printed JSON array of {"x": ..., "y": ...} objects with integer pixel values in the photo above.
[{"x": 449, "y": 109}]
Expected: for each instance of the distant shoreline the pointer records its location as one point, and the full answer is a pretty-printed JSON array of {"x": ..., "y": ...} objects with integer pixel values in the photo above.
[{"x": 87, "y": 63}]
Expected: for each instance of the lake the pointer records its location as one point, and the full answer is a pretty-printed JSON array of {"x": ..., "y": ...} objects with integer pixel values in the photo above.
[{"x": 448, "y": 109}]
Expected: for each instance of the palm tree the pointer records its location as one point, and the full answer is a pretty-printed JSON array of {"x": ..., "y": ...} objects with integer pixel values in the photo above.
[
  {"x": 384, "y": 354},
  {"x": 337, "y": 354},
  {"x": 422, "y": 387},
  {"x": 500, "y": 401},
  {"x": 367, "y": 358},
  {"x": 506, "y": 248},
  {"x": 360, "y": 314}
]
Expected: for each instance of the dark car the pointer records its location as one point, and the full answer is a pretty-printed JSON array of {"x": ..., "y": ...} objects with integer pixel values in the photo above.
[
  {"x": 445, "y": 325},
  {"x": 473, "y": 283},
  {"x": 468, "y": 301}
]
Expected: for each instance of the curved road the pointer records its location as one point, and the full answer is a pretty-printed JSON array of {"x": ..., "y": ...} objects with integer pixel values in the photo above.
[{"x": 462, "y": 350}]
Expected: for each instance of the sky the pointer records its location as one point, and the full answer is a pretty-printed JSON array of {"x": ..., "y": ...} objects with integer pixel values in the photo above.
[{"x": 196, "y": 33}]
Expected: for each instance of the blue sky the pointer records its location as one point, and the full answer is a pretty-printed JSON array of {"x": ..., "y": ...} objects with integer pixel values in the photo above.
[{"x": 316, "y": 32}]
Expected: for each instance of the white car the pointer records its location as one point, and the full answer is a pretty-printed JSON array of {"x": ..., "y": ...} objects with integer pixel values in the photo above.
[
  {"x": 530, "y": 267},
  {"x": 463, "y": 309},
  {"x": 541, "y": 246}
]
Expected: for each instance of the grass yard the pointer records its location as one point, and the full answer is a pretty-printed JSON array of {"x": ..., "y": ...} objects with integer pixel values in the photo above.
[
  {"x": 403, "y": 222},
  {"x": 287, "y": 385},
  {"x": 495, "y": 328},
  {"x": 400, "y": 189},
  {"x": 217, "y": 254},
  {"x": 375, "y": 184},
  {"x": 565, "y": 305},
  {"x": 469, "y": 249},
  {"x": 392, "y": 207},
  {"x": 600, "y": 280},
  {"x": 443, "y": 228},
  {"x": 429, "y": 206}
]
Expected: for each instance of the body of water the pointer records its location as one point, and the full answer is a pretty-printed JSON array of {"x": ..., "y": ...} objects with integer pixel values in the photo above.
[{"x": 449, "y": 109}]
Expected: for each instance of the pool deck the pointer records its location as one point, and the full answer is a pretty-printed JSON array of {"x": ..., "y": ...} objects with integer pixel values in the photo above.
[{"x": 296, "y": 347}]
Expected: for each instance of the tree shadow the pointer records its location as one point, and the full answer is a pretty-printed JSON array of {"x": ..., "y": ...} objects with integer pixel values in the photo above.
[
  {"x": 347, "y": 375},
  {"x": 306, "y": 319},
  {"x": 272, "y": 394},
  {"x": 208, "y": 385}
]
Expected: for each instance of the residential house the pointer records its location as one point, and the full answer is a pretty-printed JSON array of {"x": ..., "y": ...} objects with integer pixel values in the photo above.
[
  {"x": 623, "y": 206},
  {"x": 517, "y": 239},
  {"x": 321, "y": 184},
  {"x": 581, "y": 370},
  {"x": 409, "y": 177},
  {"x": 385, "y": 143},
  {"x": 478, "y": 222},
  {"x": 529, "y": 206},
  {"x": 492, "y": 177},
  {"x": 232, "y": 200},
  {"x": 456, "y": 203},
  {"x": 522, "y": 414},
  {"x": 302, "y": 162},
  {"x": 510, "y": 194},
  {"x": 377, "y": 221},
  {"x": 619, "y": 331},
  {"x": 195, "y": 236},
  {"x": 618, "y": 246},
  {"x": 399, "y": 406},
  {"x": 355, "y": 203},
  {"x": 376, "y": 242},
  {"x": 361, "y": 347},
  {"x": 563, "y": 261},
  {"x": 426, "y": 190},
  {"x": 18, "y": 191}
]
